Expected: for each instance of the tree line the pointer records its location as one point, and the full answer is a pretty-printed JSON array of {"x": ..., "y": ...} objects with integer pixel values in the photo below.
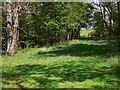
[
  {"x": 39, "y": 24},
  {"x": 107, "y": 19}
]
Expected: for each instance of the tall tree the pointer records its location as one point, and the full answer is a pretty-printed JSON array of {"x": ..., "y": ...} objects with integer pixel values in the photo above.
[
  {"x": 48, "y": 23},
  {"x": 13, "y": 10},
  {"x": 108, "y": 14},
  {"x": 53, "y": 22}
]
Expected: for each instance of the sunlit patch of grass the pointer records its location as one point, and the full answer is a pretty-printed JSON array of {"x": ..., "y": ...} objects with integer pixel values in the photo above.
[
  {"x": 46, "y": 68},
  {"x": 84, "y": 32}
]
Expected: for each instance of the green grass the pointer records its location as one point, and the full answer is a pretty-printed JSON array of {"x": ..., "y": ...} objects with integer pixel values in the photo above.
[
  {"x": 74, "y": 64},
  {"x": 84, "y": 32}
]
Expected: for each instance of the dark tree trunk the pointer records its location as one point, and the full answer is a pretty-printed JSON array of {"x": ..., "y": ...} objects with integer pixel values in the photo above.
[{"x": 118, "y": 7}]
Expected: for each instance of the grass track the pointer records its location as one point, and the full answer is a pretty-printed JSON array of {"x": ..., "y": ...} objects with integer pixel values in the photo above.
[{"x": 74, "y": 64}]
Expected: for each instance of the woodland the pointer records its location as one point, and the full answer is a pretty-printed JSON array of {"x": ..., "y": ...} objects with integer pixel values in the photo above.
[{"x": 60, "y": 45}]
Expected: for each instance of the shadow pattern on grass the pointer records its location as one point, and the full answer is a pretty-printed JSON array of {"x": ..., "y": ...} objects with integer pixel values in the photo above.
[
  {"x": 80, "y": 50},
  {"x": 70, "y": 71}
]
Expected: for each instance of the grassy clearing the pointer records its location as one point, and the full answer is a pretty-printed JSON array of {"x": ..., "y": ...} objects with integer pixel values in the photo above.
[
  {"x": 84, "y": 32},
  {"x": 74, "y": 64}
]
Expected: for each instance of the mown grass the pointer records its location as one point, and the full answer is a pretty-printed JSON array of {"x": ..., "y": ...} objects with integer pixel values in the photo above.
[
  {"x": 84, "y": 32},
  {"x": 73, "y": 64}
]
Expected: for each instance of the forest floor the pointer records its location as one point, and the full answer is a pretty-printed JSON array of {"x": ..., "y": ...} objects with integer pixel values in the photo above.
[{"x": 73, "y": 64}]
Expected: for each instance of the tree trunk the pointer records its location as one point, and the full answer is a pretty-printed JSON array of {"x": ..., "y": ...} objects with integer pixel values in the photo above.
[
  {"x": 9, "y": 26},
  {"x": 68, "y": 36},
  {"x": 118, "y": 7},
  {"x": 12, "y": 29}
]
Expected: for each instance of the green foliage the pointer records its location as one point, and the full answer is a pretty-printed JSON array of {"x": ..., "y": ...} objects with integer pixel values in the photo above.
[
  {"x": 107, "y": 20},
  {"x": 51, "y": 23}
]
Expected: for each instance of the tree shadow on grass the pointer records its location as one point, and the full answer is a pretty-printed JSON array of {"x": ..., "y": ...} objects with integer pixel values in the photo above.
[
  {"x": 49, "y": 76},
  {"x": 81, "y": 50}
]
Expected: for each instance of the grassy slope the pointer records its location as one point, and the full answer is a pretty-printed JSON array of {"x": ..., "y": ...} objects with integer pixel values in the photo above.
[{"x": 74, "y": 64}]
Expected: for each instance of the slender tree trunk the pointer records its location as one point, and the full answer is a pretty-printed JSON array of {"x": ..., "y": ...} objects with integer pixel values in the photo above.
[
  {"x": 118, "y": 7},
  {"x": 110, "y": 31},
  {"x": 68, "y": 36}
]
